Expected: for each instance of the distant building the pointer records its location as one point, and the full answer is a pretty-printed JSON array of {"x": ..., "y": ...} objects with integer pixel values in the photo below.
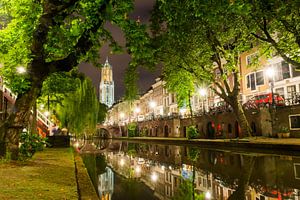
[{"x": 106, "y": 88}]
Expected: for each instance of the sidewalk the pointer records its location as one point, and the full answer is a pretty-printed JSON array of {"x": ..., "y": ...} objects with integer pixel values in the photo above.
[{"x": 49, "y": 175}]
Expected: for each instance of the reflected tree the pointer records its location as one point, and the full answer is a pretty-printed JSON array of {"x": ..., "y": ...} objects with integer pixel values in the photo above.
[{"x": 244, "y": 179}]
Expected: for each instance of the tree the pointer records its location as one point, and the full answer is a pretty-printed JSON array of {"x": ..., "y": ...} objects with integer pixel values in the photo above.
[
  {"x": 203, "y": 39},
  {"x": 52, "y": 36},
  {"x": 276, "y": 24},
  {"x": 78, "y": 111}
]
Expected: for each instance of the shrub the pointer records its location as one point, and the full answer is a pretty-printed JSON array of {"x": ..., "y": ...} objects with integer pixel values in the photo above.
[
  {"x": 284, "y": 129},
  {"x": 131, "y": 128},
  {"x": 192, "y": 132},
  {"x": 30, "y": 143}
]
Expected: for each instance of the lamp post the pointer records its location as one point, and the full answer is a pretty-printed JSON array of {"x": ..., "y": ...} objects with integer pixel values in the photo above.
[
  {"x": 203, "y": 94},
  {"x": 152, "y": 105},
  {"x": 137, "y": 110},
  {"x": 270, "y": 73}
]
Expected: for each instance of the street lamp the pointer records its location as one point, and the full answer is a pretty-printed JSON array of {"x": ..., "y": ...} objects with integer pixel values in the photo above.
[
  {"x": 154, "y": 177},
  {"x": 21, "y": 70},
  {"x": 203, "y": 93},
  {"x": 137, "y": 110},
  {"x": 152, "y": 105},
  {"x": 207, "y": 195},
  {"x": 270, "y": 73}
]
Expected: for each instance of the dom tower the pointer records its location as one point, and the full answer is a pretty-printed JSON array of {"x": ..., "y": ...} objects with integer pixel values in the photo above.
[{"x": 106, "y": 88}]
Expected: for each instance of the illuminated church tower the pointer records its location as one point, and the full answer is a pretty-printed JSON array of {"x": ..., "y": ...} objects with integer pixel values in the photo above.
[{"x": 106, "y": 88}]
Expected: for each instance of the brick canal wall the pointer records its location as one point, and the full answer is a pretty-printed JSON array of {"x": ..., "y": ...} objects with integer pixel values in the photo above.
[{"x": 220, "y": 125}]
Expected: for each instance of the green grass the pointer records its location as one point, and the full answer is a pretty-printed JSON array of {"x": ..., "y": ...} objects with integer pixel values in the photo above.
[{"x": 49, "y": 175}]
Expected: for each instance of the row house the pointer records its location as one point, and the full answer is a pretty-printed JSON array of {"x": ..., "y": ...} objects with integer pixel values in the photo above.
[
  {"x": 254, "y": 81},
  {"x": 257, "y": 80}
]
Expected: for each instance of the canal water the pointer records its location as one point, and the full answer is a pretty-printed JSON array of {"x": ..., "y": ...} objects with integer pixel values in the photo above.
[{"x": 121, "y": 170}]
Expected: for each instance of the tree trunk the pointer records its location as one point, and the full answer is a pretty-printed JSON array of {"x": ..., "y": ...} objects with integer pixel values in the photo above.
[
  {"x": 12, "y": 127},
  {"x": 241, "y": 117}
]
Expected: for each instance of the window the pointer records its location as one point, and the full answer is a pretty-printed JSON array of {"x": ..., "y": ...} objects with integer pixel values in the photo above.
[
  {"x": 280, "y": 91},
  {"x": 294, "y": 122},
  {"x": 291, "y": 90},
  {"x": 250, "y": 59},
  {"x": 295, "y": 71},
  {"x": 282, "y": 71},
  {"x": 255, "y": 79}
]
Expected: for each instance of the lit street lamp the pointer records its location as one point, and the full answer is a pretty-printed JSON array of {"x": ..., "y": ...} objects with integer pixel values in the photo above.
[
  {"x": 203, "y": 94},
  {"x": 152, "y": 105},
  {"x": 270, "y": 73},
  {"x": 21, "y": 70},
  {"x": 137, "y": 110}
]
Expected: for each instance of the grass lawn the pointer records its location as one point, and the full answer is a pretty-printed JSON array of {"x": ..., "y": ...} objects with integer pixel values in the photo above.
[{"x": 49, "y": 175}]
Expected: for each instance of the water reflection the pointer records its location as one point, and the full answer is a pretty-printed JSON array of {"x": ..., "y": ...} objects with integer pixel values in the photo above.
[{"x": 123, "y": 170}]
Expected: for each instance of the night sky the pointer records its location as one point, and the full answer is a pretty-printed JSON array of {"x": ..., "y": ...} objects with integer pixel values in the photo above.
[{"x": 119, "y": 62}]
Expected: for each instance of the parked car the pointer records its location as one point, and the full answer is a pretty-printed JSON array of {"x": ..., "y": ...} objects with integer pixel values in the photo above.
[{"x": 263, "y": 100}]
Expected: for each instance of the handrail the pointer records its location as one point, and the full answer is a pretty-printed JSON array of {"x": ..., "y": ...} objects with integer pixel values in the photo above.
[{"x": 41, "y": 117}]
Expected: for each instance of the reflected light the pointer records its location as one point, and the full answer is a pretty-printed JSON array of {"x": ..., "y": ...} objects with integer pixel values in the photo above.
[{"x": 154, "y": 177}]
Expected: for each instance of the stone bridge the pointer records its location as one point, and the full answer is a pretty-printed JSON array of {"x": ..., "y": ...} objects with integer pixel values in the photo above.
[{"x": 108, "y": 131}]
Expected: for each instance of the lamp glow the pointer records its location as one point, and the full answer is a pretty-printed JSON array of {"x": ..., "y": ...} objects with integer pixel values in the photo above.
[
  {"x": 207, "y": 195},
  {"x": 152, "y": 104},
  {"x": 21, "y": 70},
  {"x": 270, "y": 72},
  {"x": 137, "y": 110},
  {"x": 47, "y": 113},
  {"x": 154, "y": 177},
  {"x": 202, "y": 92},
  {"x": 138, "y": 169},
  {"x": 122, "y": 162}
]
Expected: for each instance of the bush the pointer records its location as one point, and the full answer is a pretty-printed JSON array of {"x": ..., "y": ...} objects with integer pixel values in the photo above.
[
  {"x": 30, "y": 143},
  {"x": 192, "y": 132},
  {"x": 131, "y": 128}
]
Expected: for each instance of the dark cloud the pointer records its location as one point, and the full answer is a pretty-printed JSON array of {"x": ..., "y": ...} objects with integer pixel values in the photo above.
[{"x": 120, "y": 62}]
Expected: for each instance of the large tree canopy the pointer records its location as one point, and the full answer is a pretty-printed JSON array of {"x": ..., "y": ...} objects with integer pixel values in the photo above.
[
  {"x": 54, "y": 36},
  {"x": 202, "y": 40},
  {"x": 276, "y": 24}
]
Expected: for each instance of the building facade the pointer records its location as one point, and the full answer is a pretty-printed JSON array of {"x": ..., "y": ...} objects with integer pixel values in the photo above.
[{"x": 106, "y": 87}]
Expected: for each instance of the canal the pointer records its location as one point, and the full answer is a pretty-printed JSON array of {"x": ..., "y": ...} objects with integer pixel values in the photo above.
[{"x": 122, "y": 170}]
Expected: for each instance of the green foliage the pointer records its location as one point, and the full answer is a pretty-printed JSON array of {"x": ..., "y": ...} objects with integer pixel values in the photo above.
[
  {"x": 193, "y": 153},
  {"x": 143, "y": 133},
  {"x": 131, "y": 128},
  {"x": 30, "y": 143},
  {"x": 102, "y": 111},
  {"x": 78, "y": 111},
  {"x": 284, "y": 129},
  {"x": 192, "y": 132},
  {"x": 185, "y": 191},
  {"x": 275, "y": 24}
]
